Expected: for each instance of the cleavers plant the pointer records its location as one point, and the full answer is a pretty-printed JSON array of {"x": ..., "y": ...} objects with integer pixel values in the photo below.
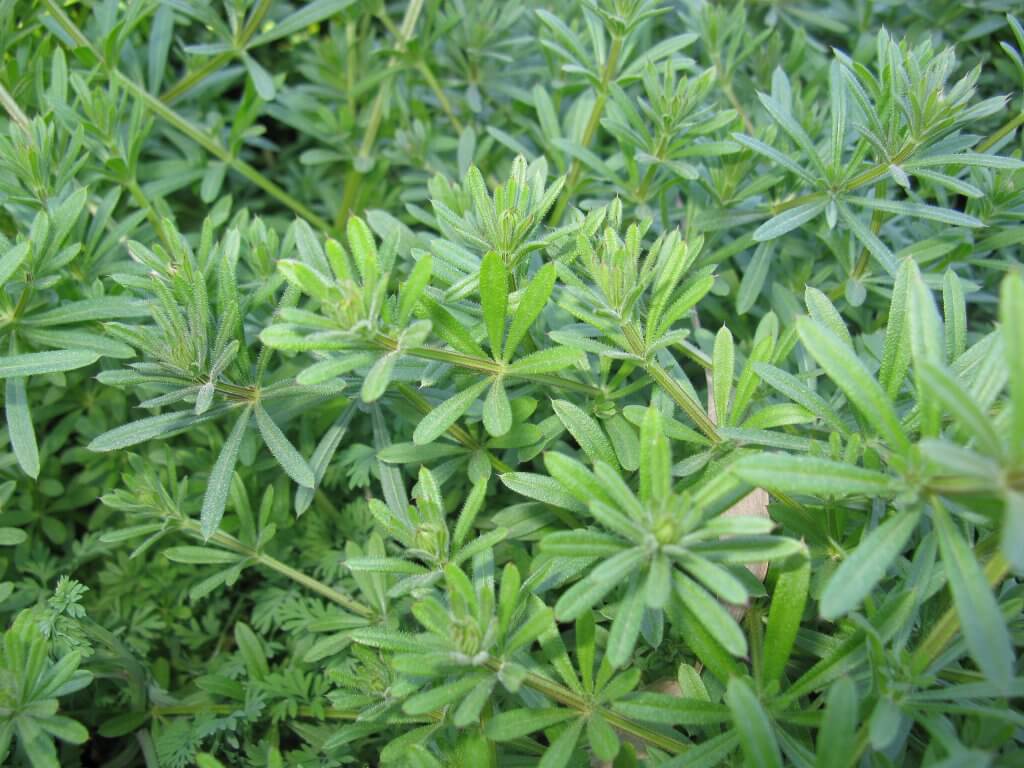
[{"x": 443, "y": 383}]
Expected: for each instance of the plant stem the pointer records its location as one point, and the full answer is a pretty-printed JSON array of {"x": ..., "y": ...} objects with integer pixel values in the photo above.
[
  {"x": 218, "y": 62},
  {"x": 486, "y": 366},
  {"x": 10, "y": 106},
  {"x": 181, "y": 124},
  {"x": 563, "y": 695},
  {"x": 673, "y": 388},
  {"x": 1007, "y": 128},
  {"x": 611, "y": 64},
  {"x": 354, "y": 178},
  {"x": 227, "y": 541}
]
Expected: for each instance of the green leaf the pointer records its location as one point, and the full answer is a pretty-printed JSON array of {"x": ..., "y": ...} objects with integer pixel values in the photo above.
[
  {"x": 516, "y": 723},
  {"x": 587, "y": 432},
  {"x": 981, "y": 621},
  {"x": 439, "y": 697},
  {"x": 710, "y": 613},
  {"x": 757, "y": 735},
  {"x": 37, "y": 363},
  {"x": 852, "y": 377},
  {"x": 12, "y": 537},
  {"x": 625, "y": 627},
  {"x": 13, "y": 259},
  {"x": 19, "y": 426},
  {"x": 561, "y": 749},
  {"x": 542, "y": 488},
  {"x": 672, "y": 710},
  {"x": 546, "y": 361},
  {"x": 918, "y": 210},
  {"x": 531, "y": 303},
  {"x": 291, "y": 461},
  {"x": 789, "y": 220},
  {"x": 858, "y": 574},
  {"x": 1011, "y": 317},
  {"x": 722, "y": 370},
  {"x": 378, "y": 377},
  {"x": 494, "y": 298},
  {"x": 251, "y": 649},
  {"x": 784, "y": 617},
  {"x": 954, "y": 315},
  {"x": 140, "y": 431},
  {"x": 412, "y": 289},
  {"x": 790, "y": 386},
  {"x": 836, "y": 745},
  {"x": 1012, "y": 537},
  {"x": 602, "y": 737},
  {"x": 655, "y": 458},
  {"x": 811, "y": 475},
  {"x": 201, "y": 556},
  {"x": 822, "y": 310},
  {"x": 219, "y": 483},
  {"x": 942, "y": 384},
  {"x": 435, "y": 423},
  {"x": 497, "y": 410}
]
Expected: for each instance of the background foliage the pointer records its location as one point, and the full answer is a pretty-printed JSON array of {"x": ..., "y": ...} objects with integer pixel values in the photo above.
[{"x": 377, "y": 374}]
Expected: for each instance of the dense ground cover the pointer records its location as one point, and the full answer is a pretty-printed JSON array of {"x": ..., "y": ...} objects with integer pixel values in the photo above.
[{"x": 627, "y": 382}]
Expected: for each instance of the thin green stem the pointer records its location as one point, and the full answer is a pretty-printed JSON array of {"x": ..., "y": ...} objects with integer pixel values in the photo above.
[
  {"x": 487, "y": 367},
  {"x": 227, "y": 541},
  {"x": 181, "y": 124},
  {"x": 673, "y": 388},
  {"x": 354, "y": 178},
  {"x": 216, "y": 63},
  {"x": 563, "y": 695},
  {"x": 725, "y": 80},
  {"x": 1009, "y": 127},
  {"x": 611, "y": 64},
  {"x": 11, "y": 107}
]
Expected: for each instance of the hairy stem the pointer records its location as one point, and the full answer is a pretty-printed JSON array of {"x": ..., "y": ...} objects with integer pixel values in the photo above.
[
  {"x": 611, "y": 64},
  {"x": 354, "y": 178}
]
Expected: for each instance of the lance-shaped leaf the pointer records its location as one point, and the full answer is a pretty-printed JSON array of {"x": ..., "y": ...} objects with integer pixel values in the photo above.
[
  {"x": 435, "y": 423},
  {"x": 219, "y": 483}
]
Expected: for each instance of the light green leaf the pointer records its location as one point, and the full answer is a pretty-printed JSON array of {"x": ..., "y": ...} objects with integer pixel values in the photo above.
[
  {"x": 723, "y": 369},
  {"x": 586, "y": 431},
  {"x": 13, "y": 259},
  {"x": 784, "y": 618},
  {"x": 435, "y": 423},
  {"x": 626, "y": 626},
  {"x": 852, "y": 377},
  {"x": 757, "y": 735},
  {"x": 710, "y": 613},
  {"x": 19, "y": 426},
  {"x": 546, "y": 361},
  {"x": 981, "y": 621},
  {"x": 789, "y": 220},
  {"x": 378, "y": 377},
  {"x": 809, "y": 474},
  {"x": 219, "y": 483},
  {"x": 516, "y": 723},
  {"x": 291, "y": 461},
  {"x": 531, "y": 303},
  {"x": 497, "y": 410},
  {"x": 838, "y": 733},
  {"x": 1011, "y": 317},
  {"x": 858, "y": 574},
  {"x": 494, "y": 298},
  {"x": 37, "y": 363}
]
